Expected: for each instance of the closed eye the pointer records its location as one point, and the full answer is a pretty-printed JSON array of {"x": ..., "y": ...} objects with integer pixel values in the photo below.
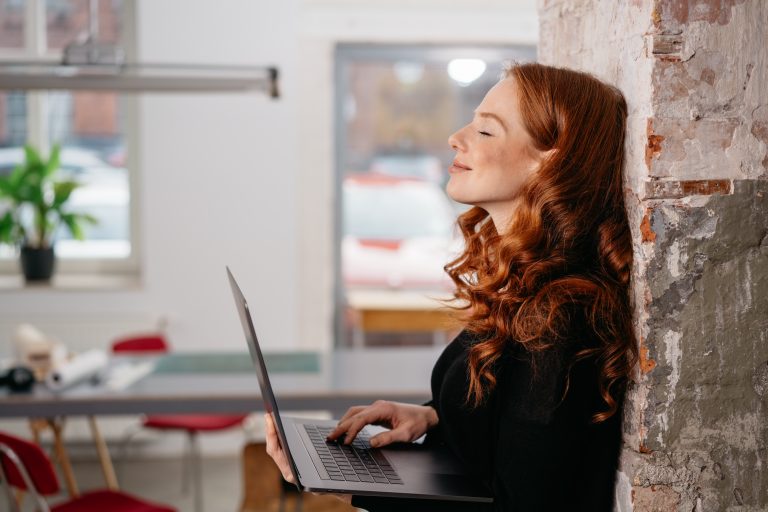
[{"x": 485, "y": 134}]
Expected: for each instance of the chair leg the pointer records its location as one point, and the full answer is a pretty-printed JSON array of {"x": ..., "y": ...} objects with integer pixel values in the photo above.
[
  {"x": 13, "y": 501},
  {"x": 197, "y": 471},
  {"x": 122, "y": 448},
  {"x": 186, "y": 465}
]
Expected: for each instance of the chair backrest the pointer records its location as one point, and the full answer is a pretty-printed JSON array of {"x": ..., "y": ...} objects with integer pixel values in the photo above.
[
  {"x": 34, "y": 460},
  {"x": 151, "y": 343}
]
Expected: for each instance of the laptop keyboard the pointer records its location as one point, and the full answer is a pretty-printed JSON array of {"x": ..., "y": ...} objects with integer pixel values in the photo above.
[{"x": 355, "y": 462}]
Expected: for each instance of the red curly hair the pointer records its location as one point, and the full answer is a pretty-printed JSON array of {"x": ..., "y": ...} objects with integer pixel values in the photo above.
[{"x": 570, "y": 252}]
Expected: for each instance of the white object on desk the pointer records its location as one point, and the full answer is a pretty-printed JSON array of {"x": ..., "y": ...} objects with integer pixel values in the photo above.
[
  {"x": 124, "y": 376},
  {"x": 82, "y": 367},
  {"x": 36, "y": 350}
]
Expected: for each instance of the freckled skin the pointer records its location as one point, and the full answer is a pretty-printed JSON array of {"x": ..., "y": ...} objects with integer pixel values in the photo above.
[{"x": 501, "y": 157}]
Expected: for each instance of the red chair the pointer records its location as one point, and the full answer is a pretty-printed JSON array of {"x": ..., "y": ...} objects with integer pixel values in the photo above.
[
  {"x": 191, "y": 424},
  {"x": 25, "y": 466}
]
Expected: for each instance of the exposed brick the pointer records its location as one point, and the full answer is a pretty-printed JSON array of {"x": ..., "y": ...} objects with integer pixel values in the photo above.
[
  {"x": 644, "y": 450},
  {"x": 666, "y": 189},
  {"x": 667, "y": 45},
  {"x": 653, "y": 147},
  {"x": 681, "y": 12},
  {"x": 646, "y": 363},
  {"x": 646, "y": 230}
]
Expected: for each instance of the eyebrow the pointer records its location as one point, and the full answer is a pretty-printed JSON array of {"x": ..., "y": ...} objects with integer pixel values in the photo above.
[{"x": 491, "y": 115}]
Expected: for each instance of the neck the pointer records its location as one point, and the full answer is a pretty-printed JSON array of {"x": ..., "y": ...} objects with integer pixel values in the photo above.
[{"x": 502, "y": 214}]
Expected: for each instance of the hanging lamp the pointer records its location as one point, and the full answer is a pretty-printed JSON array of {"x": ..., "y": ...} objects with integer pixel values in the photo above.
[{"x": 92, "y": 65}]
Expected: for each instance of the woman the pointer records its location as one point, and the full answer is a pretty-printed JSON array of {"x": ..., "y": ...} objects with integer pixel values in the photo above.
[{"x": 529, "y": 395}]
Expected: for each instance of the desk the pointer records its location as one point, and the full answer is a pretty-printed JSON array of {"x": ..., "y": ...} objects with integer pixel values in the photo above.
[{"x": 343, "y": 378}]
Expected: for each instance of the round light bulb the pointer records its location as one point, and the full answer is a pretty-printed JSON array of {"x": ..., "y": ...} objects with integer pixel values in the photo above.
[{"x": 466, "y": 71}]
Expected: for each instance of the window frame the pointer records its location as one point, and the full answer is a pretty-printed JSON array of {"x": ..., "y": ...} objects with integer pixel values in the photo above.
[{"x": 35, "y": 49}]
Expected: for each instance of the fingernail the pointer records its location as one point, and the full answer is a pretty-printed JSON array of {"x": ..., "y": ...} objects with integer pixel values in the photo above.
[{"x": 374, "y": 442}]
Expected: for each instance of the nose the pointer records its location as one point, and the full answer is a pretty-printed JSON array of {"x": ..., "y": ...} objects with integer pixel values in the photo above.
[{"x": 456, "y": 140}]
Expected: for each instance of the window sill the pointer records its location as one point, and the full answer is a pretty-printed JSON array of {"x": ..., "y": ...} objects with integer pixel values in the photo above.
[{"x": 72, "y": 282}]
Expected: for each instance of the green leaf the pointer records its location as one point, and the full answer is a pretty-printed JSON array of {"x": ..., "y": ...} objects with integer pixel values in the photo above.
[
  {"x": 35, "y": 195},
  {"x": 7, "y": 224},
  {"x": 70, "y": 220},
  {"x": 6, "y": 190},
  {"x": 53, "y": 161},
  {"x": 43, "y": 224},
  {"x": 32, "y": 157},
  {"x": 9, "y": 185},
  {"x": 61, "y": 192},
  {"x": 90, "y": 219}
]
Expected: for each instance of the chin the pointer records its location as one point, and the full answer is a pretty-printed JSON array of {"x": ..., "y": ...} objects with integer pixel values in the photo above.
[{"x": 454, "y": 191}]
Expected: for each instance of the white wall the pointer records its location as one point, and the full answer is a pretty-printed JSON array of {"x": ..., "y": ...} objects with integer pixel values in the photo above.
[{"x": 241, "y": 179}]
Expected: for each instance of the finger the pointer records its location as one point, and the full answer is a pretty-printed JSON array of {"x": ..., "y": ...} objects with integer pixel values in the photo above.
[
  {"x": 352, "y": 411},
  {"x": 341, "y": 425},
  {"x": 357, "y": 423},
  {"x": 403, "y": 434},
  {"x": 273, "y": 443}
]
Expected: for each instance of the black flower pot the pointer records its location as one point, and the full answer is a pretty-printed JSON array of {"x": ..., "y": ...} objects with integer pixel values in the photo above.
[{"x": 37, "y": 264}]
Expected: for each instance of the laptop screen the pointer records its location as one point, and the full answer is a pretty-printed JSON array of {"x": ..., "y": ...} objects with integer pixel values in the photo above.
[{"x": 270, "y": 404}]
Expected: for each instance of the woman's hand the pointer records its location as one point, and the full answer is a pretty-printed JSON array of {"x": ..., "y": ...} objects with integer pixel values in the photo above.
[
  {"x": 275, "y": 451},
  {"x": 407, "y": 422}
]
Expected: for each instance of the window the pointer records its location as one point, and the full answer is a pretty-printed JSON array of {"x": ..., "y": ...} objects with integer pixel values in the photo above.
[
  {"x": 91, "y": 127},
  {"x": 395, "y": 108},
  {"x": 12, "y": 16}
]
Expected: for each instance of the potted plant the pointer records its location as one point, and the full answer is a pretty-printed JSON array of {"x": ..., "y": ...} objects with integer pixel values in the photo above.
[{"x": 35, "y": 204}]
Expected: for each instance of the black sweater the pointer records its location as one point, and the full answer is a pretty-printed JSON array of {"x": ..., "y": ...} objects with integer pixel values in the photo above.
[{"x": 535, "y": 452}]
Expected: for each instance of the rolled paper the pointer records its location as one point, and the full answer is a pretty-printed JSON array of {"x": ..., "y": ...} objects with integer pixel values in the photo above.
[{"x": 82, "y": 367}]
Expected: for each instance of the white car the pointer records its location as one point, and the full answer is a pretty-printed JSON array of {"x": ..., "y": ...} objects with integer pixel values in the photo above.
[{"x": 398, "y": 233}]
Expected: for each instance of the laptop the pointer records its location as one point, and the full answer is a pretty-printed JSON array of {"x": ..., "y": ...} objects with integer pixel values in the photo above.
[{"x": 407, "y": 470}]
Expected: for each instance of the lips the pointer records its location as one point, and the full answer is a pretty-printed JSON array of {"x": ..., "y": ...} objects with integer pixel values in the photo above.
[{"x": 459, "y": 167}]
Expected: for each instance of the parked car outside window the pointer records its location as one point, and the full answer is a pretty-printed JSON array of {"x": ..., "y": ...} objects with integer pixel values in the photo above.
[{"x": 398, "y": 233}]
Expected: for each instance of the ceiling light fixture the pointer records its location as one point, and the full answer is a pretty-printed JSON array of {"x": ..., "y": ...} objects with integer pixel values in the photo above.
[{"x": 92, "y": 65}]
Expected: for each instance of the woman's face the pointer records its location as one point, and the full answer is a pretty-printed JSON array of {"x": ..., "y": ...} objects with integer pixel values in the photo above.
[{"x": 494, "y": 155}]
